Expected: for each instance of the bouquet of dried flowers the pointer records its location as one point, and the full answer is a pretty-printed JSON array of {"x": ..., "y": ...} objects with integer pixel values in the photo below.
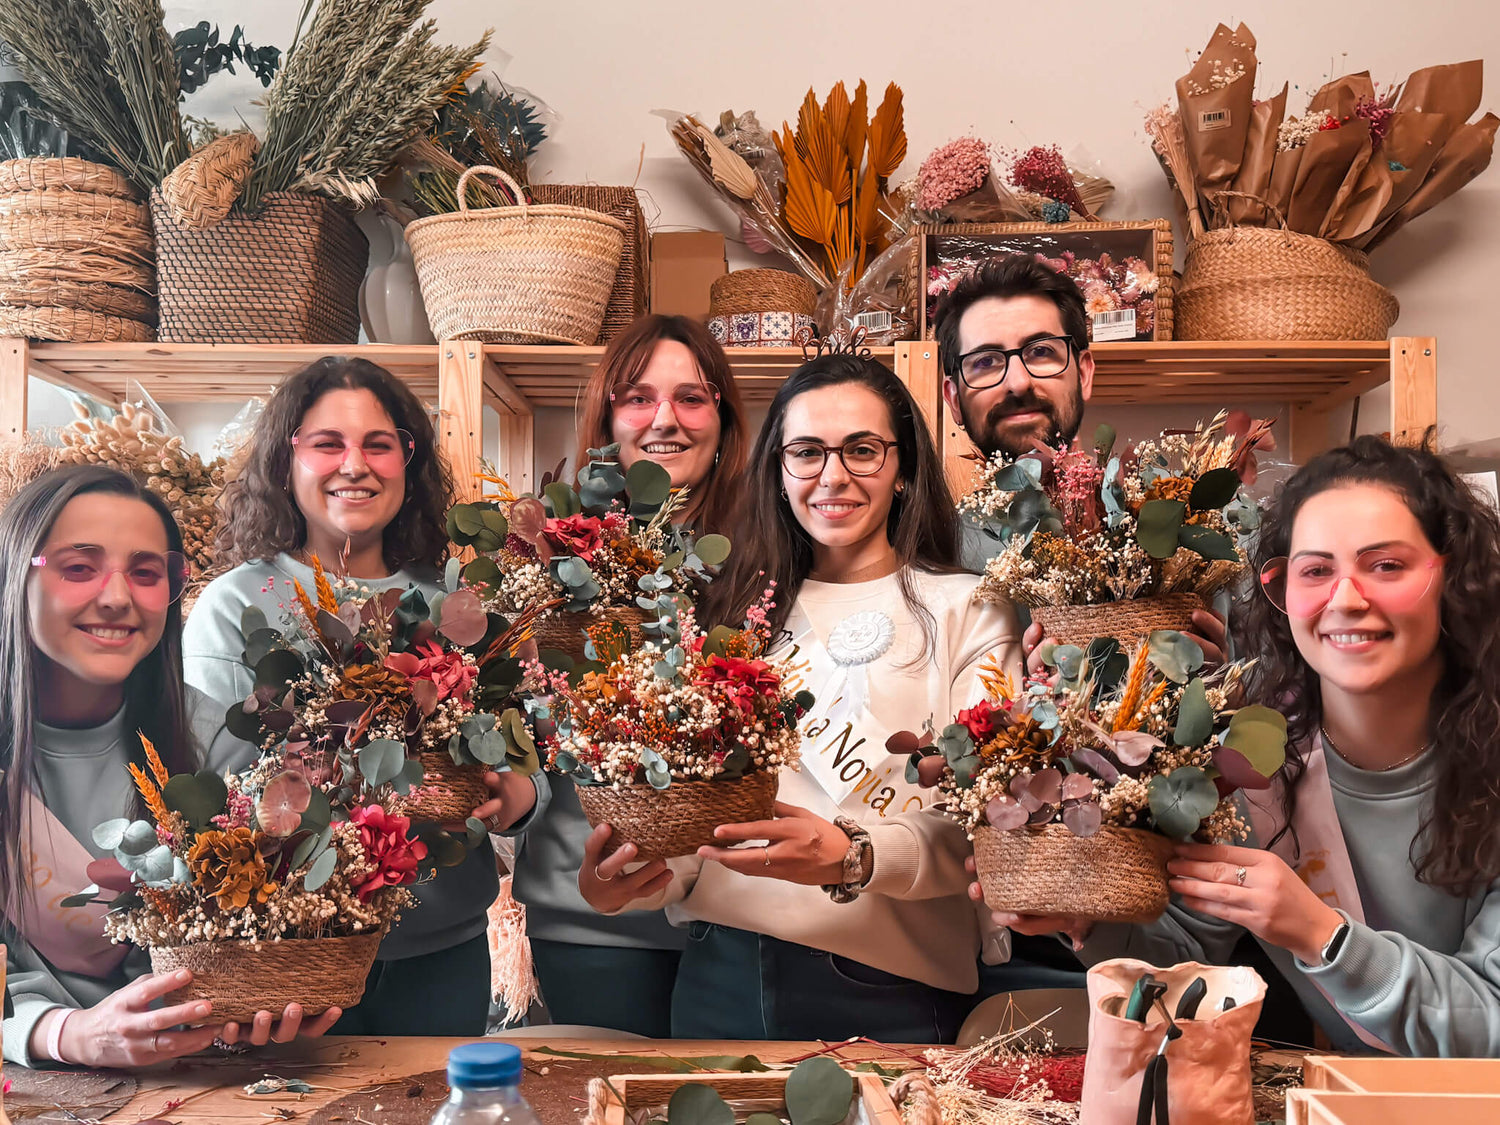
[
  {"x": 249, "y": 878},
  {"x": 604, "y": 547},
  {"x": 1107, "y": 748},
  {"x": 669, "y": 739},
  {"x": 1084, "y": 527},
  {"x": 393, "y": 697}
]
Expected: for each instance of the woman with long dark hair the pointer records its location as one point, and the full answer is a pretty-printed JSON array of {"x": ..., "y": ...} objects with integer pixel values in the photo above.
[
  {"x": 91, "y": 572},
  {"x": 344, "y": 467},
  {"x": 1371, "y": 888},
  {"x": 845, "y": 508}
]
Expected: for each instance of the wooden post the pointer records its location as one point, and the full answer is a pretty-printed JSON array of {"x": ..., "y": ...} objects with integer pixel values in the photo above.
[
  {"x": 15, "y": 373},
  {"x": 917, "y": 365},
  {"x": 517, "y": 428},
  {"x": 461, "y": 412},
  {"x": 1414, "y": 405},
  {"x": 1311, "y": 433}
]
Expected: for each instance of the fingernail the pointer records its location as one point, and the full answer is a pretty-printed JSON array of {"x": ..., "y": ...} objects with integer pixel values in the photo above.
[
  {"x": 200, "y": 1009},
  {"x": 184, "y": 975}
]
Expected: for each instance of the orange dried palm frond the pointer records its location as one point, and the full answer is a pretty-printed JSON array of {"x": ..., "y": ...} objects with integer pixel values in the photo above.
[
  {"x": 867, "y": 222},
  {"x": 326, "y": 600},
  {"x": 821, "y": 150},
  {"x": 836, "y": 110},
  {"x": 149, "y": 793},
  {"x": 810, "y": 207},
  {"x": 153, "y": 759},
  {"x": 888, "y": 134},
  {"x": 858, "y": 127}
]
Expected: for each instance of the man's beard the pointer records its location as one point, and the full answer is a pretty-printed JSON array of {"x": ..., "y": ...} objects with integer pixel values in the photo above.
[{"x": 1060, "y": 429}]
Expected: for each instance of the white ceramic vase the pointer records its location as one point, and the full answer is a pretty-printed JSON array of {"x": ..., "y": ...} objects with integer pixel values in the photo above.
[{"x": 390, "y": 299}]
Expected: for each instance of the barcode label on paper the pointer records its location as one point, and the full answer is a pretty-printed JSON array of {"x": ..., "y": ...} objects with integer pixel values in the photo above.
[
  {"x": 1211, "y": 119},
  {"x": 873, "y": 321},
  {"x": 1117, "y": 324}
]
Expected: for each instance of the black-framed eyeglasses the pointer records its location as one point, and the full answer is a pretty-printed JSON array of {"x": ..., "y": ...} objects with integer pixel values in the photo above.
[
  {"x": 862, "y": 456},
  {"x": 986, "y": 367}
]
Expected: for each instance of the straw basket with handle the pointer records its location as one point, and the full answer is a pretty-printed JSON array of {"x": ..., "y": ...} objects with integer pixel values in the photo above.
[
  {"x": 1129, "y": 621},
  {"x": 1271, "y": 283},
  {"x": 529, "y": 273},
  {"x": 1115, "y": 875},
  {"x": 678, "y": 820}
]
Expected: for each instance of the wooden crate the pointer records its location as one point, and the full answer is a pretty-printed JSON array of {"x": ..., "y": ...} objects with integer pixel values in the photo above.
[
  {"x": 1052, "y": 238},
  {"x": 628, "y": 1092},
  {"x": 1326, "y": 1107},
  {"x": 1379, "y": 1074}
]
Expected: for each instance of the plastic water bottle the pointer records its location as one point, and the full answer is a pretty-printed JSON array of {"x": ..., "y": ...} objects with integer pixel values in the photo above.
[{"x": 485, "y": 1087}]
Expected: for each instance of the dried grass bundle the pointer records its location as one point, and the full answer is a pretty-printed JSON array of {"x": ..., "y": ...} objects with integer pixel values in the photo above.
[
  {"x": 1168, "y": 141},
  {"x": 22, "y": 460}
]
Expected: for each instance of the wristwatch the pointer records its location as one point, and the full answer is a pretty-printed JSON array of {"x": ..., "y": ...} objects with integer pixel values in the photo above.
[{"x": 1334, "y": 944}]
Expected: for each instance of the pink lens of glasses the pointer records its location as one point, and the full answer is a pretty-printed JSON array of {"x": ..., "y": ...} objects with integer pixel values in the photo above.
[
  {"x": 326, "y": 451},
  {"x": 1304, "y": 588},
  {"x": 639, "y": 405},
  {"x": 78, "y": 576}
]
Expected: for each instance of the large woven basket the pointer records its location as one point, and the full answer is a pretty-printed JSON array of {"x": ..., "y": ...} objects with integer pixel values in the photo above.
[
  {"x": 287, "y": 274},
  {"x": 1129, "y": 622},
  {"x": 680, "y": 819},
  {"x": 1115, "y": 875},
  {"x": 631, "y": 293},
  {"x": 241, "y": 978},
  {"x": 516, "y": 275},
  {"x": 449, "y": 793},
  {"x": 1270, "y": 283},
  {"x": 565, "y": 631}
]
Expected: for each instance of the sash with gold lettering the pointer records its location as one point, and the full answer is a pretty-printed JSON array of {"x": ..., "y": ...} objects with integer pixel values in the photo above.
[{"x": 1319, "y": 855}]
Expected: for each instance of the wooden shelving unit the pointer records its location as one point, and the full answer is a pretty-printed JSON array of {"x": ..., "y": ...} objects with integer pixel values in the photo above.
[{"x": 1314, "y": 379}]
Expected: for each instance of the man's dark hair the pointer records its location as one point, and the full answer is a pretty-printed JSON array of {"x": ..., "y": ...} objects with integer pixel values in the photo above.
[{"x": 1009, "y": 275}]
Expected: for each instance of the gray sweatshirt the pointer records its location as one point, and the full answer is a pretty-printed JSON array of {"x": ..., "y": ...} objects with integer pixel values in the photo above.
[
  {"x": 82, "y": 779},
  {"x": 1422, "y": 973},
  {"x": 451, "y": 908}
]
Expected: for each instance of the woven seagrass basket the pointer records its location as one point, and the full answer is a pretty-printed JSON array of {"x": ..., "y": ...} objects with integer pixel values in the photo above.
[
  {"x": 449, "y": 793},
  {"x": 762, "y": 290},
  {"x": 287, "y": 274},
  {"x": 631, "y": 293},
  {"x": 678, "y": 820},
  {"x": 532, "y": 273},
  {"x": 1115, "y": 875},
  {"x": 565, "y": 631},
  {"x": 241, "y": 978},
  {"x": 1129, "y": 622},
  {"x": 1270, "y": 283}
]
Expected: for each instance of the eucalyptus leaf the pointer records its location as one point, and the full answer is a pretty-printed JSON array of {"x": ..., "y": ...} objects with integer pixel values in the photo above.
[
  {"x": 466, "y": 518},
  {"x": 697, "y": 1103},
  {"x": 252, "y": 620},
  {"x": 278, "y": 668},
  {"x": 1208, "y": 543},
  {"x": 648, "y": 483},
  {"x": 199, "y": 797},
  {"x": 1175, "y": 655},
  {"x": 1181, "y": 799},
  {"x": 107, "y": 836},
  {"x": 1104, "y": 439},
  {"x": 819, "y": 1092},
  {"x": 712, "y": 549},
  {"x": 321, "y": 870},
  {"x": 138, "y": 838},
  {"x": 381, "y": 761},
  {"x": 1157, "y": 526},
  {"x": 1259, "y": 734},
  {"x": 451, "y": 572},
  {"x": 1214, "y": 490},
  {"x": 1068, "y": 660},
  {"x": 564, "y": 500},
  {"x": 1195, "y": 718}
]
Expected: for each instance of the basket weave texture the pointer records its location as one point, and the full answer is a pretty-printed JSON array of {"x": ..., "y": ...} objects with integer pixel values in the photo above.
[
  {"x": 1115, "y": 875},
  {"x": 680, "y": 819},
  {"x": 288, "y": 274},
  {"x": 1129, "y": 622},
  {"x": 564, "y": 631},
  {"x": 516, "y": 275},
  {"x": 202, "y": 190},
  {"x": 240, "y": 980},
  {"x": 1269, "y": 283},
  {"x": 631, "y": 293},
  {"x": 449, "y": 793},
  {"x": 76, "y": 253},
  {"x": 762, "y": 290}
]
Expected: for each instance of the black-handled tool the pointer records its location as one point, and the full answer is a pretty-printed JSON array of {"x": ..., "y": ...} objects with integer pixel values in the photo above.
[
  {"x": 1146, "y": 992},
  {"x": 1192, "y": 996}
]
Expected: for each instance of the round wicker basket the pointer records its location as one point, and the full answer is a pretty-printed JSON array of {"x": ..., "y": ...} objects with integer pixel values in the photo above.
[
  {"x": 565, "y": 631},
  {"x": 678, "y": 820},
  {"x": 762, "y": 290},
  {"x": 241, "y": 978},
  {"x": 1129, "y": 622},
  {"x": 449, "y": 794},
  {"x": 1115, "y": 875},
  {"x": 71, "y": 173},
  {"x": 1270, "y": 283}
]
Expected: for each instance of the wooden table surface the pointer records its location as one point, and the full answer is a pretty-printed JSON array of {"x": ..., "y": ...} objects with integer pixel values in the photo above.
[{"x": 211, "y": 1088}]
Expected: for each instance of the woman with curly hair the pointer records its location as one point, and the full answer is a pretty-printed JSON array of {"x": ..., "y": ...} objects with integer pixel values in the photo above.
[
  {"x": 1371, "y": 887},
  {"x": 344, "y": 467}
]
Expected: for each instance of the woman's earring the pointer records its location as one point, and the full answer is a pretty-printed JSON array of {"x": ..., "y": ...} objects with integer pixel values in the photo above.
[
  {"x": 900, "y": 487},
  {"x": 784, "y": 496}
]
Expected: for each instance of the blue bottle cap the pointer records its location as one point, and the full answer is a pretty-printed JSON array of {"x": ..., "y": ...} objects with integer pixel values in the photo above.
[{"x": 479, "y": 1066}]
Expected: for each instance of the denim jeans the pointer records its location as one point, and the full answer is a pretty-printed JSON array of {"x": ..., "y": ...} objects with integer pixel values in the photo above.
[
  {"x": 607, "y": 986},
  {"x": 734, "y": 984},
  {"x": 443, "y": 993}
]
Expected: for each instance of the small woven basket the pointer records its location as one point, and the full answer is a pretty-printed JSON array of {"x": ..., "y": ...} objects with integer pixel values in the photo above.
[
  {"x": 287, "y": 274},
  {"x": 449, "y": 793},
  {"x": 241, "y": 978},
  {"x": 43, "y": 173},
  {"x": 762, "y": 290},
  {"x": 516, "y": 275},
  {"x": 1129, "y": 622},
  {"x": 680, "y": 819},
  {"x": 1270, "y": 283},
  {"x": 565, "y": 631},
  {"x": 1115, "y": 875},
  {"x": 631, "y": 293}
]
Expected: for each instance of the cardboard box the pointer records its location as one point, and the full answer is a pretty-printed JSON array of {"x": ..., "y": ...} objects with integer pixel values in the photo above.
[{"x": 684, "y": 266}]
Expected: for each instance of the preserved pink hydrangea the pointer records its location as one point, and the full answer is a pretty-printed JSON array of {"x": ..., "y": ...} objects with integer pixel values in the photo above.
[
  {"x": 952, "y": 172},
  {"x": 392, "y": 854}
]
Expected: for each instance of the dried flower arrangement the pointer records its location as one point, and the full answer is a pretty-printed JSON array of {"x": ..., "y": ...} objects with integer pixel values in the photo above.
[
  {"x": 605, "y": 547},
  {"x": 393, "y": 697},
  {"x": 1057, "y": 192},
  {"x": 1083, "y": 527},
  {"x": 1109, "y": 742},
  {"x": 488, "y": 125}
]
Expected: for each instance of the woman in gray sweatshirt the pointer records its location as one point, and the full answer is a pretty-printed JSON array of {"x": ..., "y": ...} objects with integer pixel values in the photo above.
[{"x": 1373, "y": 882}]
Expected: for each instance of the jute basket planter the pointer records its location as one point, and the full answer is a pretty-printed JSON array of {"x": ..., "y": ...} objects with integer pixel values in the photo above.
[
  {"x": 449, "y": 793},
  {"x": 678, "y": 820},
  {"x": 1115, "y": 875},
  {"x": 1129, "y": 622},
  {"x": 565, "y": 631},
  {"x": 241, "y": 979}
]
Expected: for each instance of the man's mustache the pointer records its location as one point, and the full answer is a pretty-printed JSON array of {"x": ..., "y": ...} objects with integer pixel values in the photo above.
[{"x": 1003, "y": 410}]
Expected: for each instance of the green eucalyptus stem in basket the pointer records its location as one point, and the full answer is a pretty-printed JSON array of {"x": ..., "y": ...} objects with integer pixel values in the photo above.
[{"x": 361, "y": 80}]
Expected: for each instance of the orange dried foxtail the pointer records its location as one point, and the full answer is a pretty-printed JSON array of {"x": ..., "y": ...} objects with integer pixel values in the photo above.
[
  {"x": 1135, "y": 690},
  {"x": 153, "y": 759},
  {"x": 326, "y": 600},
  {"x": 149, "y": 793}
]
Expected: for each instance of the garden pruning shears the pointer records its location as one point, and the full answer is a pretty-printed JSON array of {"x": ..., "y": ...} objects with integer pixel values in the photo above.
[{"x": 1154, "y": 1080}]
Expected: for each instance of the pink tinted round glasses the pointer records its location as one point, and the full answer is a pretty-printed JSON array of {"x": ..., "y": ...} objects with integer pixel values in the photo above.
[
  {"x": 692, "y": 404},
  {"x": 324, "y": 452},
  {"x": 78, "y": 575},
  {"x": 1303, "y": 587}
]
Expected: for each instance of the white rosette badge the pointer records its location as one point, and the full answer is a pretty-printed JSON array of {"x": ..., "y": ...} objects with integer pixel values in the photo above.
[{"x": 855, "y": 643}]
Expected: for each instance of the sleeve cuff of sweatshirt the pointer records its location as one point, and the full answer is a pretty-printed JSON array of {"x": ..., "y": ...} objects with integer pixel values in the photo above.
[
  {"x": 543, "y": 799},
  {"x": 898, "y": 859},
  {"x": 1364, "y": 971},
  {"x": 18, "y": 1029}
]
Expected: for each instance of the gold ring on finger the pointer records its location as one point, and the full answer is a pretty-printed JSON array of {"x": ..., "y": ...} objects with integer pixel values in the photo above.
[{"x": 1239, "y": 875}]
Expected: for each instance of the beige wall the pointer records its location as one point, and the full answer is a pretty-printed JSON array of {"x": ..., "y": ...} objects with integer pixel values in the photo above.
[{"x": 1079, "y": 74}]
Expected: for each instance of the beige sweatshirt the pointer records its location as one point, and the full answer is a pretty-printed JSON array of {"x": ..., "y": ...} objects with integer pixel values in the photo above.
[{"x": 858, "y": 648}]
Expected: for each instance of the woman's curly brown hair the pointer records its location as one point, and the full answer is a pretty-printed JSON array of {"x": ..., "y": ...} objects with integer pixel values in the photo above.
[
  {"x": 259, "y": 517},
  {"x": 1461, "y": 851}
]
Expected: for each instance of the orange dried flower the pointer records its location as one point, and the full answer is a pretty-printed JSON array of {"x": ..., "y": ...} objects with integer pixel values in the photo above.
[
  {"x": 360, "y": 681},
  {"x": 227, "y": 866}
]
